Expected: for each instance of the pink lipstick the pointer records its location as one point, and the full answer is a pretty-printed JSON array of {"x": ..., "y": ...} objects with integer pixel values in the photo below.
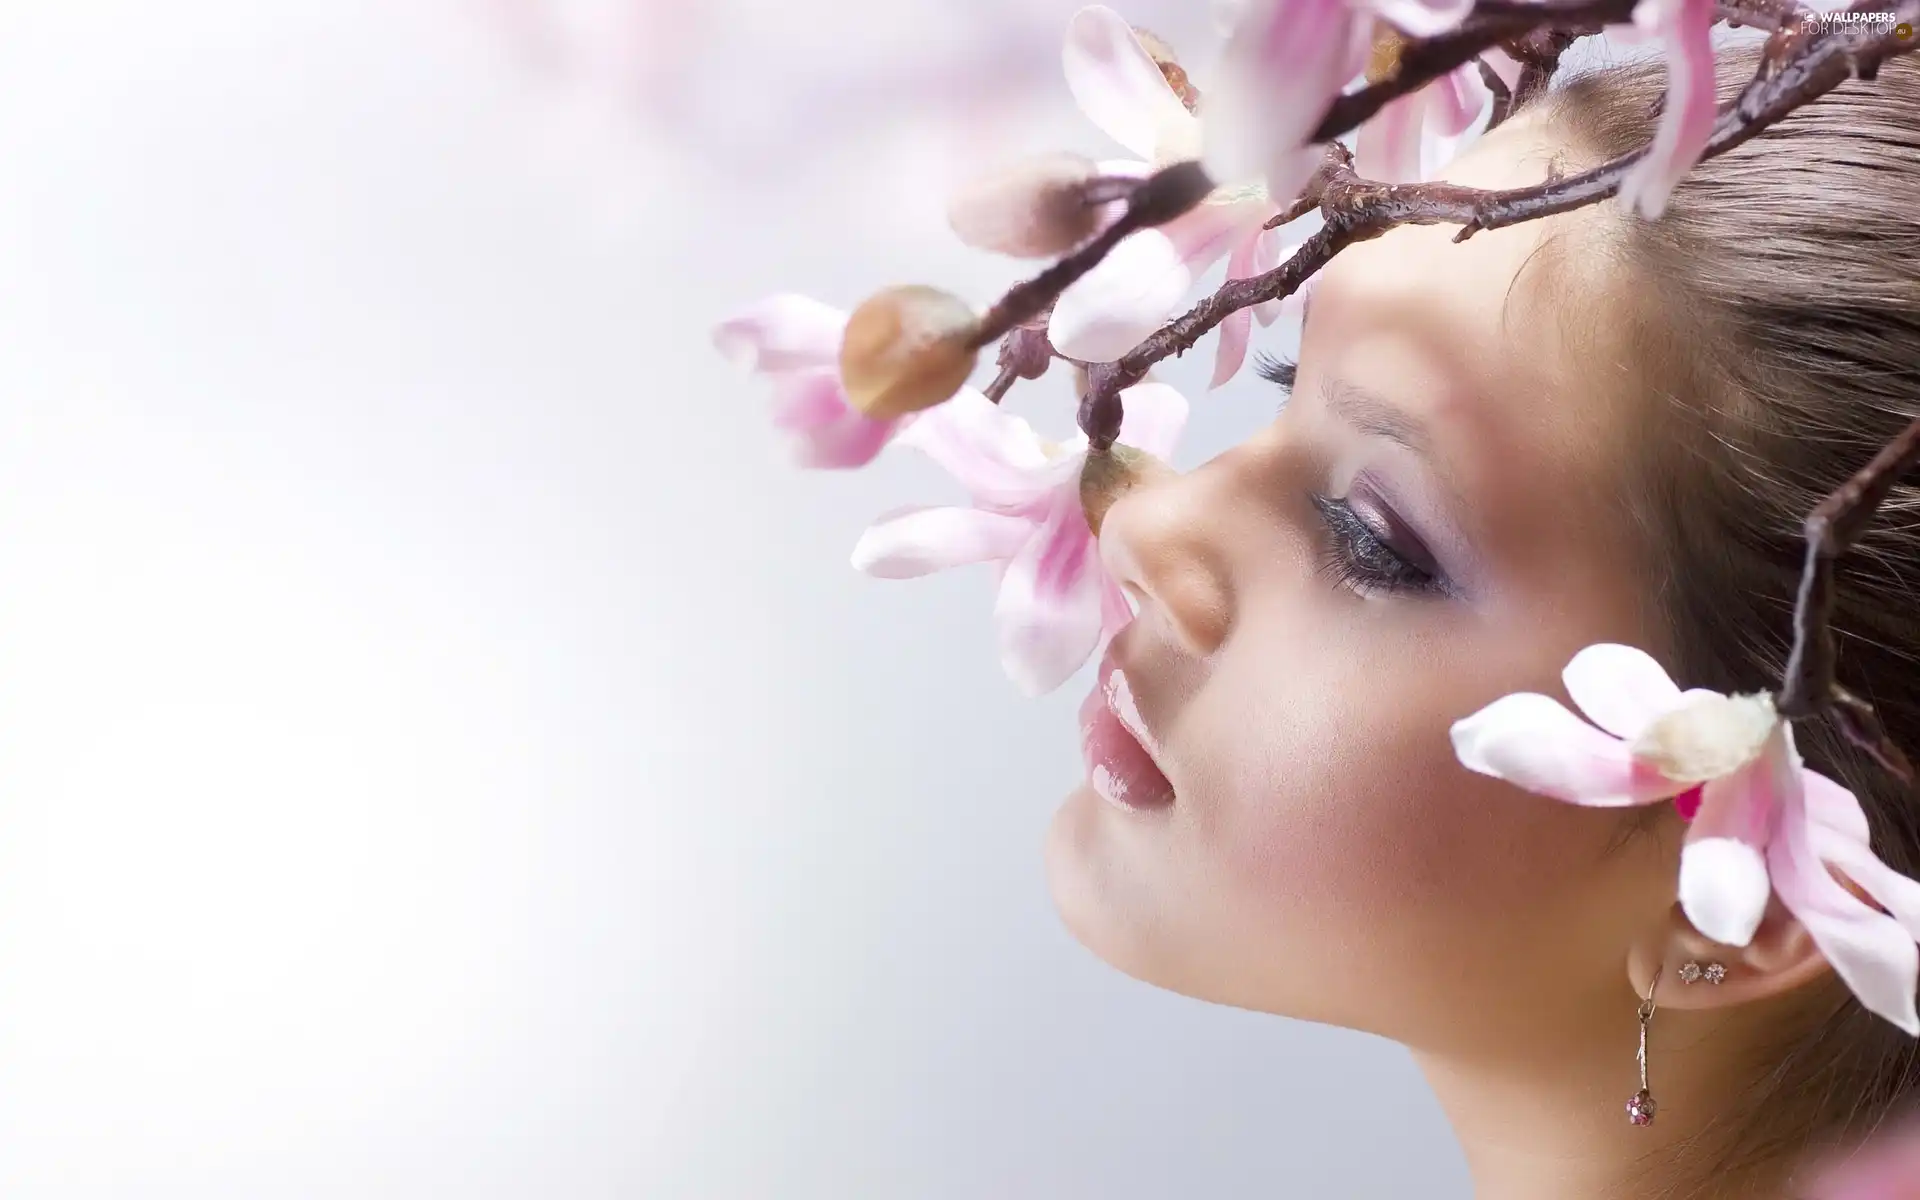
[{"x": 1115, "y": 743}]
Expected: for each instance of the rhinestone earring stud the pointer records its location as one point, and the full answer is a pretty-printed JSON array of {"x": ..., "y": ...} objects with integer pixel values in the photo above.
[{"x": 1693, "y": 972}]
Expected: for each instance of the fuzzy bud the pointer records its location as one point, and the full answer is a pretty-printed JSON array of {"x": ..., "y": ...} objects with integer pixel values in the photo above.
[
  {"x": 1707, "y": 737},
  {"x": 907, "y": 349},
  {"x": 1111, "y": 474},
  {"x": 1168, "y": 193},
  {"x": 1034, "y": 209},
  {"x": 1383, "y": 64}
]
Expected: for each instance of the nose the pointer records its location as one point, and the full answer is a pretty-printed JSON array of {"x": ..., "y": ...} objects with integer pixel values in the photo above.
[{"x": 1164, "y": 542}]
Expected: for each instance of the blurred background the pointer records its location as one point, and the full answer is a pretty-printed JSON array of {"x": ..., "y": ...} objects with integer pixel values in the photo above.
[{"x": 444, "y": 750}]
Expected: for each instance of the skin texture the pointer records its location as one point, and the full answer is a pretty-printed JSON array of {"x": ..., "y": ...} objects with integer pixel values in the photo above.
[{"x": 1326, "y": 857}]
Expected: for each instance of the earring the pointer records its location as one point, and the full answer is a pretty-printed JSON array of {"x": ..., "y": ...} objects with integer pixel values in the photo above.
[
  {"x": 1640, "y": 1109},
  {"x": 1693, "y": 972}
]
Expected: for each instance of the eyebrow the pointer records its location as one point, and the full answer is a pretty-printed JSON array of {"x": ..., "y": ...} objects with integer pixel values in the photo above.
[{"x": 1374, "y": 415}]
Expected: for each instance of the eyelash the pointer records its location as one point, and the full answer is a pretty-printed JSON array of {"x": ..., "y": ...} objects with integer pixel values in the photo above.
[
  {"x": 1359, "y": 559},
  {"x": 1277, "y": 371},
  {"x": 1356, "y": 557}
]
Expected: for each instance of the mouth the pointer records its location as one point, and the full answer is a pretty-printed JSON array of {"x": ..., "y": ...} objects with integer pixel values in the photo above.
[{"x": 1115, "y": 744}]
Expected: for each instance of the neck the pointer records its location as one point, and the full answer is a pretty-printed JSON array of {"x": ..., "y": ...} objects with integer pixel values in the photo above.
[{"x": 1549, "y": 1121}]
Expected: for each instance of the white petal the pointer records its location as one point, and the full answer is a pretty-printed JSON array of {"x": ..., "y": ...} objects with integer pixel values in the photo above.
[
  {"x": 1419, "y": 18},
  {"x": 1621, "y": 689},
  {"x": 995, "y": 455},
  {"x": 1051, "y": 601},
  {"x": 1532, "y": 741},
  {"x": 782, "y": 333},
  {"x": 1869, "y": 950},
  {"x": 1152, "y": 416},
  {"x": 921, "y": 541},
  {"x": 1723, "y": 876},
  {"x": 1117, "y": 84},
  {"x": 1121, "y": 302},
  {"x": 1724, "y": 888}
]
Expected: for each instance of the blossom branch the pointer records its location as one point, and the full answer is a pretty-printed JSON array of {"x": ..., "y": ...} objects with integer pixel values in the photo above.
[
  {"x": 1356, "y": 210},
  {"x": 1833, "y": 528},
  {"x": 1162, "y": 196}
]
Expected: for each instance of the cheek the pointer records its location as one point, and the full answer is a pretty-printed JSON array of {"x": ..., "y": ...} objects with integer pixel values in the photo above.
[{"x": 1345, "y": 836}]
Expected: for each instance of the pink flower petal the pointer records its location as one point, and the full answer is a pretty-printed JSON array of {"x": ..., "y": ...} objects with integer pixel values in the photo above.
[
  {"x": 1688, "y": 118},
  {"x": 1237, "y": 330},
  {"x": 1209, "y": 230},
  {"x": 1272, "y": 252},
  {"x": 1869, "y": 950},
  {"x": 1533, "y": 742},
  {"x": 920, "y": 541},
  {"x": 1152, "y": 417},
  {"x": 822, "y": 429},
  {"x": 1117, "y": 84},
  {"x": 1276, "y": 79},
  {"x": 1119, "y": 303},
  {"x": 1050, "y": 606},
  {"x": 1387, "y": 147},
  {"x": 1419, "y": 18},
  {"x": 782, "y": 333},
  {"x": 1831, "y": 805},
  {"x": 1455, "y": 101},
  {"x": 1891, "y": 890},
  {"x": 1145, "y": 280},
  {"x": 851, "y": 441},
  {"x": 995, "y": 455},
  {"x": 1621, "y": 689},
  {"x": 1724, "y": 885}
]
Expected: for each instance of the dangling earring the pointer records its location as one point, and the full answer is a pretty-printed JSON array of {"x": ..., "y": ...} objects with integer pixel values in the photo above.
[
  {"x": 1640, "y": 1109},
  {"x": 1693, "y": 972}
]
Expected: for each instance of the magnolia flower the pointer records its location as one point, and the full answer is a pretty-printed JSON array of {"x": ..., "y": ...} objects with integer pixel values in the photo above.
[
  {"x": 795, "y": 341},
  {"x": 1056, "y": 601},
  {"x": 1687, "y": 119},
  {"x": 1285, "y": 63},
  {"x": 1765, "y": 825},
  {"x": 1143, "y": 281}
]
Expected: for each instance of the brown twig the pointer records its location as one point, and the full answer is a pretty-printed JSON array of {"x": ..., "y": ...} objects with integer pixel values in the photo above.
[
  {"x": 1832, "y": 529},
  {"x": 1159, "y": 198},
  {"x": 1502, "y": 95},
  {"x": 1356, "y": 210}
]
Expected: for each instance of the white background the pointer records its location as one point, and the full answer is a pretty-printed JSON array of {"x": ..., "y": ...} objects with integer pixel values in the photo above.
[{"x": 443, "y": 748}]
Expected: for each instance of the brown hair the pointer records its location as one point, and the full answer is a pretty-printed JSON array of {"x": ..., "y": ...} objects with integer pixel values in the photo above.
[{"x": 1774, "y": 312}]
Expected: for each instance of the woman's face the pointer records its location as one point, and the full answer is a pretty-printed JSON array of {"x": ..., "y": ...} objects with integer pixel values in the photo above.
[{"x": 1434, "y": 520}]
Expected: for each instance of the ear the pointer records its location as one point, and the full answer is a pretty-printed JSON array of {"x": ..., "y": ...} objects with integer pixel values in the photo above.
[{"x": 1781, "y": 958}]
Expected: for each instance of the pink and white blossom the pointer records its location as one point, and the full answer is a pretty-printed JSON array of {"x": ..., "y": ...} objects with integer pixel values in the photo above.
[
  {"x": 795, "y": 342},
  {"x": 1766, "y": 825},
  {"x": 1148, "y": 276},
  {"x": 1284, "y": 64},
  {"x": 1055, "y": 602}
]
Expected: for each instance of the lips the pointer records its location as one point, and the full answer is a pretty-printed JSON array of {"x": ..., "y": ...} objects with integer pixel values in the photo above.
[{"x": 1114, "y": 743}]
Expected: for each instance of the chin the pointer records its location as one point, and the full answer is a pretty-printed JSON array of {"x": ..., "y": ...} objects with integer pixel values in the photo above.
[{"x": 1105, "y": 895}]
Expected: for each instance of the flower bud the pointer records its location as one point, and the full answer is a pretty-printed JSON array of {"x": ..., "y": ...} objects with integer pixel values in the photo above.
[
  {"x": 906, "y": 349},
  {"x": 1111, "y": 474},
  {"x": 1707, "y": 737},
  {"x": 1384, "y": 63},
  {"x": 1035, "y": 209}
]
